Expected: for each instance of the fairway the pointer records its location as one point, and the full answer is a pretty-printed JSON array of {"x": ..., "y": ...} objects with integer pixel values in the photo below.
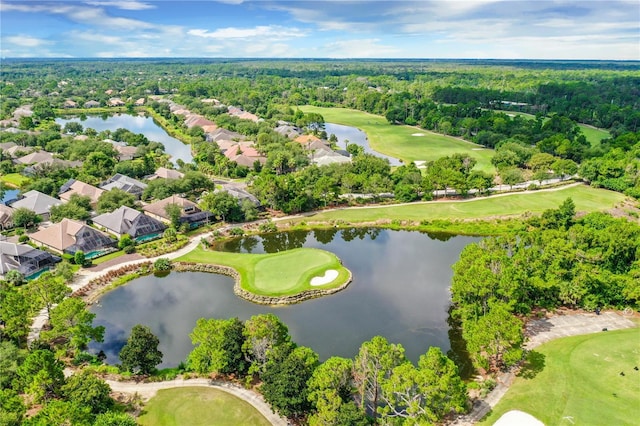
[
  {"x": 276, "y": 274},
  {"x": 580, "y": 382},
  {"x": 195, "y": 406},
  {"x": 586, "y": 199},
  {"x": 401, "y": 142}
]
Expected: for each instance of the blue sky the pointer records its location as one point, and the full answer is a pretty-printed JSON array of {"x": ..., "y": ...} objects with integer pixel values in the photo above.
[{"x": 514, "y": 29}]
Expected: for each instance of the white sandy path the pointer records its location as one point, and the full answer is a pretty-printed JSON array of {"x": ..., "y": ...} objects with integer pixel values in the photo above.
[
  {"x": 329, "y": 275},
  {"x": 148, "y": 390}
]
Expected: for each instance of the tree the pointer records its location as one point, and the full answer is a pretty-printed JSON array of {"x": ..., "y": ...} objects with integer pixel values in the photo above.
[
  {"x": 425, "y": 394},
  {"x": 62, "y": 413},
  {"x": 14, "y": 277},
  {"x": 72, "y": 323},
  {"x": 112, "y": 418},
  {"x": 99, "y": 165},
  {"x": 48, "y": 290},
  {"x": 85, "y": 389},
  {"x": 174, "y": 212},
  {"x": 42, "y": 375},
  {"x": 15, "y": 309},
  {"x": 23, "y": 217},
  {"x": 511, "y": 176},
  {"x": 113, "y": 199},
  {"x": 78, "y": 207},
  {"x": 223, "y": 205},
  {"x": 10, "y": 358},
  {"x": 285, "y": 381},
  {"x": 218, "y": 346},
  {"x": 79, "y": 258},
  {"x": 140, "y": 354},
  {"x": 263, "y": 333},
  {"x": 374, "y": 363},
  {"x": 12, "y": 408}
]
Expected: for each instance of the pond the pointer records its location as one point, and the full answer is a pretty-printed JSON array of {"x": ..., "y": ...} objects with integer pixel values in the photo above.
[
  {"x": 136, "y": 124},
  {"x": 400, "y": 290},
  {"x": 9, "y": 195},
  {"x": 357, "y": 136}
]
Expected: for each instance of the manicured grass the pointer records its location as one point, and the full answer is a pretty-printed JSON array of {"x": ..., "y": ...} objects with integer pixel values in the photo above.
[
  {"x": 577, "y": 381},
  {"x": 276, "y": 274},
  {"x": 594, "y": 136},
  {"x": 586, "y": 199},
  {"x": 399, "y": 142},
  {"x": 107, "y": 257},
  {"x": 15, "y": 180},
  {"x": 199, "y": 406}
]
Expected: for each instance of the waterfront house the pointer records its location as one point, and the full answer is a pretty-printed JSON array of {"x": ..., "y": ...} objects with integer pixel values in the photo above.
[
  {"x": 70, "y": 236},
  {"x": 24, "y": 259}
]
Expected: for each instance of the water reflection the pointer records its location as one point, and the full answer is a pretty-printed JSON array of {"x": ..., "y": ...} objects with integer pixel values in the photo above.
[{"x": 400, "y": 291}]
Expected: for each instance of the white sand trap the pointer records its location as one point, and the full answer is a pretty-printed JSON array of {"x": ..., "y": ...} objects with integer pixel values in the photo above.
[
  {"x": 517, "y": 418},
  {"x": 329, "y": 275},
  {"x": 417, "y": 134}
]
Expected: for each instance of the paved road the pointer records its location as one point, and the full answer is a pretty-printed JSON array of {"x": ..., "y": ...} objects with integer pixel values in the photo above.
[
  {"x": 541, "y": 331},
  {"x": 148, "y": 390}
]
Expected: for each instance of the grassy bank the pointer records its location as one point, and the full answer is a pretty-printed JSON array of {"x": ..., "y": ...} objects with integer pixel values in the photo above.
[
  {"x": 276, "y": 274},
  {"x": 14, "y": 180},
  {"x": 405, "y": 142},
  {"x": 199, "y": 406},
  {"x": 586, "y": 199},
  {"x": 577, "y": 380}
]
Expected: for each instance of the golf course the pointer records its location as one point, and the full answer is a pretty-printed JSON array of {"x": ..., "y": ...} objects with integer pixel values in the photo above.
[
  {"x": 199, "y": 406},
  {"x": 586, "y": 199},
  {"x": 404, "y": 142},
  {"x": 591, "y": 379},
  {"x": 278, "y": 274}
]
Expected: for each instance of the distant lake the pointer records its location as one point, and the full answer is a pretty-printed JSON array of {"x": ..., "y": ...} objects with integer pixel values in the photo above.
[
  {"x": 357, "y": 136},
  {"x": 400, "y": 290},
  {"x": 136, "y": 124}
]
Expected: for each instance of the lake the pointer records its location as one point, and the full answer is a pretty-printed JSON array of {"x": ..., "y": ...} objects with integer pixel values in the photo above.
[
  {"x": 357, "y": 136},
  {"x": 136, "y": 124},
  {"x": 400, "y": 290}
]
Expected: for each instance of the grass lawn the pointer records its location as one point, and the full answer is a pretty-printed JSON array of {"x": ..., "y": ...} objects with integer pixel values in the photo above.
[
  {"x": 107, "y": 257},
  {"x": 199, "y": 406},
  {"x": 15, "y": 180},
  {"x": 399, "y": 142},
  {"x": 586, "y": 199},
  {"x": 578, "y": 382},
  {"x": 594, "y": 136},
  {"x": 276, "y": 274}
]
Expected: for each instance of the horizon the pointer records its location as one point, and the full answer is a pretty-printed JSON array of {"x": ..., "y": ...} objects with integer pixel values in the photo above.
[{"x": 568, "y": 30}]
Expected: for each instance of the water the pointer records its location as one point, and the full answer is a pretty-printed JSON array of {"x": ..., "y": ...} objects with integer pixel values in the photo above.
[
  {"x": 400, "y": 290},
  {"x": 9, "y": 195},
  {"x": 136, "y": 124},
  {"x": 357, "y": 136}
]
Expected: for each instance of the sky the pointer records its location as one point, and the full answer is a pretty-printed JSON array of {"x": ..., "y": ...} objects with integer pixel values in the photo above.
[{"x": 475, "y": 29}]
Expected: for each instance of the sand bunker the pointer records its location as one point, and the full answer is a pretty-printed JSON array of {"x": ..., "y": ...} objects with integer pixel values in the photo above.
[
  {"x": 417, "y": 134},
  {"x": 517, "y": 418},
  {"x": 329, "y": 275}
]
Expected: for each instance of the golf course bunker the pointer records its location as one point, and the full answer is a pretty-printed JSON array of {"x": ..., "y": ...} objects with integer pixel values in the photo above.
[
  {"x": 417, "y": 134},
  {"x": 517, "y": 418},
  {"x": 328, "y": 277}
]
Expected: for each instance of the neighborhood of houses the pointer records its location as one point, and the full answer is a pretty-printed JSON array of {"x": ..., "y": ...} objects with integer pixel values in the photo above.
[{"x": 99, "y": 235}]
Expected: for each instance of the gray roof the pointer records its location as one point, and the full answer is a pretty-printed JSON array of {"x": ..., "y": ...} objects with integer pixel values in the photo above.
[
  {"x": 36, "y": 201},
  {"x": 23, "y": 258},
  {"x": 126, "y": 183},
  {"x": 126, "y": 220}
]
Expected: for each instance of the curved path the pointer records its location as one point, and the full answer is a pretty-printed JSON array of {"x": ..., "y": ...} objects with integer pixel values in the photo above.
[
  {"x": 148, "y": 390},
  {"x": 541, "y": 331}
]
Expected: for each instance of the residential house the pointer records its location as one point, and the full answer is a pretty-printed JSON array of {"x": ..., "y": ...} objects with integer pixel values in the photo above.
[
  {"x": 223, "y": 134},
  {"x": 70, "y": 236},
  {"x": 115, "y": 102},
  {"x": 6, "y": 217},
  {"x": 6, "y": 145},
  {"x": 24, "y": 259},
  {"x": 37, "y": 202},
  {"x": 191, "y": 214},
  {"x": 126, "y": 220},
  {"x": 125, "y": 183},
  {"x": 322, "y": 157},
  {"x": 76, "y": 187},
  {"x": 288, "y": 131},
  {"x": 139, "y": 102},
  {"x": 34, "y": 158},
  {"x": 18, "y": 150},
  {"x": 125, "y": 152},
  {"x": 164, "y": 173},
  {"x": 91, "y": 104},
  {"x": 239, "y": 193},
  {"x": 70, "y": 104}
]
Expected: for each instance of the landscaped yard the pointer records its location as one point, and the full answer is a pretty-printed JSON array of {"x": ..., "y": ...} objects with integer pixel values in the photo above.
[
  {"x": 15, "y": 180},
  {"x": 199, "y": 406},
  {"x": 404, "y": 142},
  {"x": 277, "y": 274},
  {"x": 581, "y": 380},
  {"x": 586, "y": 199}
]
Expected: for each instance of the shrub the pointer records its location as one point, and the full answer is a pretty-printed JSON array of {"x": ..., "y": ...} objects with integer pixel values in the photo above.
[
  {"x": 79, "y": 258},
  {"x": 268, "y": 227},
  {"x": 170, "y": 235},
  {"x": 162, "y": 264},
  {"x": 236, "y": 232},
  {"x": 23, "y": 238},
  {"x": 129, "y": 249}
]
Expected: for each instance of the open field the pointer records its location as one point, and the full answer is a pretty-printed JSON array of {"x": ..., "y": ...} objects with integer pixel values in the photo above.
[
  {"x": 15, "y": 180},
  {"x": 277, "y": 274},
  {"x": 586, "y": 199},
  {"x": 399, "y": 142},
  {"x": 199, "y": 406},
  {"x": 578, "y": 381}
]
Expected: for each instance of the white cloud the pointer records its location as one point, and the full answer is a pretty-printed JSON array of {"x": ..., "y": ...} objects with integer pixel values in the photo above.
[
  {"x": 123, "y": 4},
  {"x": 361, "y": 48},
  {"x": 25, "y": 41},
  {"x": 272, "y": 32}
]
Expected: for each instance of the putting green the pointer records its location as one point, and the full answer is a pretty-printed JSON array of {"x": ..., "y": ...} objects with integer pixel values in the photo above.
[{"x": 276, "y": 274}]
